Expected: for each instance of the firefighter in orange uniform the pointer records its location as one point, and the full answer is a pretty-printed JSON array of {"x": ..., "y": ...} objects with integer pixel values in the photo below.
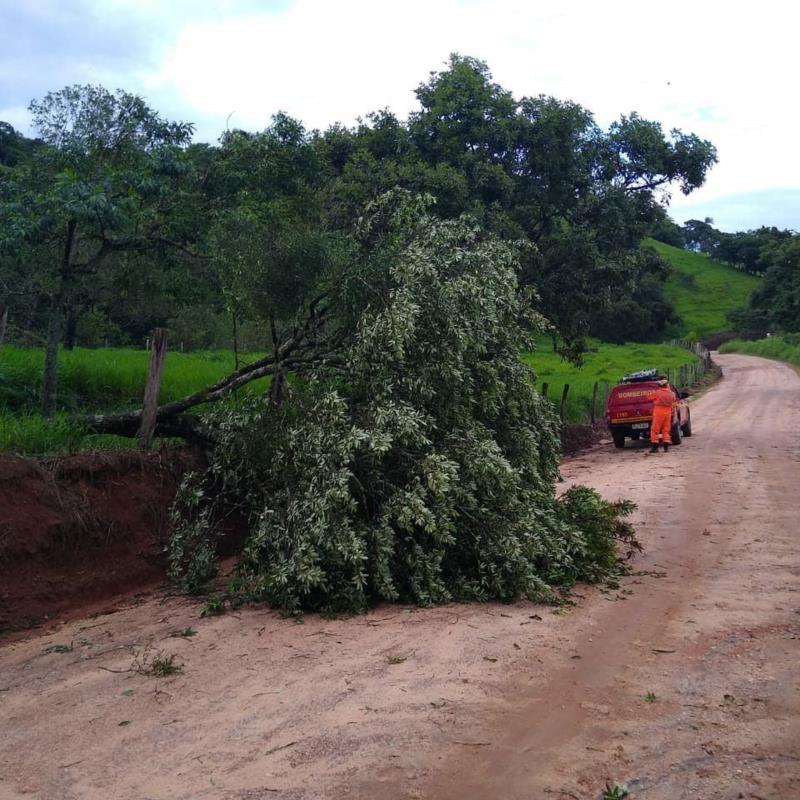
[{"x": 664, "y": 400}]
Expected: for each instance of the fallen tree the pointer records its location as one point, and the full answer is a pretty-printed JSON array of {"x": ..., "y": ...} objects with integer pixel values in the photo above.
[{"x": 408, "y": 456}]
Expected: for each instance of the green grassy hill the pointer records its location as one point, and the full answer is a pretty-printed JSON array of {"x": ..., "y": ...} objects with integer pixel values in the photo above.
[{"x": 702, "y": 290}]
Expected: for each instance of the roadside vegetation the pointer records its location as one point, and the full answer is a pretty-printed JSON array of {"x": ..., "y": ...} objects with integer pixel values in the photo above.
[{"x": 783, "y": 348}]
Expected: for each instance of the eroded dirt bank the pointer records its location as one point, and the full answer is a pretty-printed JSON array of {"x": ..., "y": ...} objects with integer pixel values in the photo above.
[
  {"x": 87, "y": 532},
  {"x": 81, "y": 530},
  {"x": 469, "y": 701}
]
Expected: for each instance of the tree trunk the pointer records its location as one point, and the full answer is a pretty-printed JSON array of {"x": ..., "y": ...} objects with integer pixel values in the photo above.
[
  {"x": 55, "y": 329},
  {"x": 50, "y": 384},
  {"x": 276, "y": 388},
  {"x": 150, "y": 406},
  {"x": 71, "y": 329},
  {"x": 3, "y": 320},
  {"x": 33, "y": 309}
]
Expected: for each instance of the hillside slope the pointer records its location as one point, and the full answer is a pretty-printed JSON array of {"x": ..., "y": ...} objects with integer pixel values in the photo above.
[{"x": 703, "y": 290}]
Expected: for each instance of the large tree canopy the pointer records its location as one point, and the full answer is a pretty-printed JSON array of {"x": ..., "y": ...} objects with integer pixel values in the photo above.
[
  {"x": 14, "y": 147},
  {"x": 534, "y": 168},
  {"x": 774, "y": 306}
]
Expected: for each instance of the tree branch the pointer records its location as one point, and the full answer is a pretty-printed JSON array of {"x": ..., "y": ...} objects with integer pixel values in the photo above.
[{"x": 299, "y": 351}]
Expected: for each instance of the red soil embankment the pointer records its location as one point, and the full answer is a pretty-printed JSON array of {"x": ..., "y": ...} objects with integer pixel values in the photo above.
[
  {"x": 82, "y": 530},
  {"x": 80, "y": 533}
]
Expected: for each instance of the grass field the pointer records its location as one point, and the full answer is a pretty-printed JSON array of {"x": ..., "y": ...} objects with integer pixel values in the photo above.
[
  {"x": 105, "y": 379},
  {"x": 29, "y": 434},
  {"x": 92, "y": 381},
  {"x": 609, "y": 363},
  {"x": 782, "y": 348},
  {"x": 112, "y": 379},
  {"x": 702, "y": 290}
]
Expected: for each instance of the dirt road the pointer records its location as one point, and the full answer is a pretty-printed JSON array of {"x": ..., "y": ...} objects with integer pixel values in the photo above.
[{"x": 683, "y": 683}]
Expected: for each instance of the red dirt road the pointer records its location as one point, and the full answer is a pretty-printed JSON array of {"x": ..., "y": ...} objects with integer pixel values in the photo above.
[{"x": 469, "y": 702}]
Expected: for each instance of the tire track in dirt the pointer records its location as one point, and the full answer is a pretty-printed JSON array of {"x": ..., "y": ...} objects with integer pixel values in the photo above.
[{"x": 715, "y": 640}]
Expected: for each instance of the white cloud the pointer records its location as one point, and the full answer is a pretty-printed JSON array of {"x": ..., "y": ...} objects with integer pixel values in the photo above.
[
  {"x": 16, "y": 116},
  {"x": 724, "y": 72}
]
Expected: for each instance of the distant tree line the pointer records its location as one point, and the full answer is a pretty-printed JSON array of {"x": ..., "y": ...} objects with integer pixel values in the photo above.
[
  {"x": 769, "y": 252},
  {"x": 113, "y": 222}
]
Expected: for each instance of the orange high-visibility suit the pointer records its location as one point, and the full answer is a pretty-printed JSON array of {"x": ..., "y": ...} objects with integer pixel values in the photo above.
[{"x": 663, "y": 401}]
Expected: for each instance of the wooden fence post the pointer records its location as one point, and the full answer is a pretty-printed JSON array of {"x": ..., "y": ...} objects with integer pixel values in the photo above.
[
  {"x": 564, "y": 400},
  {"x": 545, "y": 387},
  {"x": 158, "y": 354},
  {"x": 594, "y": 403}
]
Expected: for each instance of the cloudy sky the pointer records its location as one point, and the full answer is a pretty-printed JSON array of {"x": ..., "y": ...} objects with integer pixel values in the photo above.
[{"x": 726, "y": 71}]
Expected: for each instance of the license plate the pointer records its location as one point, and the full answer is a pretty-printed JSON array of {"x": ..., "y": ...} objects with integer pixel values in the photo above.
[{"x": 640, "y": 426}]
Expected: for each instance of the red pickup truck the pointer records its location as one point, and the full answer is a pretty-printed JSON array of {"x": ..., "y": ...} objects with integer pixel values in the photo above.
[{"x": 629, "y": 412}]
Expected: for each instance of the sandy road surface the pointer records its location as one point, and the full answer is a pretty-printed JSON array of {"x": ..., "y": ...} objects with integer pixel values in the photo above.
[{"x": 470, "y": 701}]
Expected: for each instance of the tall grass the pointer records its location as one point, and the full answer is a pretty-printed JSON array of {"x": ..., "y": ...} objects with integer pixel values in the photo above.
[
  {"x": 703, "y": 290},
  {"x": 782, "y": 348},
  {"x": 105, "y": 379},
  {"x": 92, "y": 381},
  {"x": 30, "y": 434}
]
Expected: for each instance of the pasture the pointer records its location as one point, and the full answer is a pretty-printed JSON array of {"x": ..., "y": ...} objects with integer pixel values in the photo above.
[{"x": 104, "y": 380}]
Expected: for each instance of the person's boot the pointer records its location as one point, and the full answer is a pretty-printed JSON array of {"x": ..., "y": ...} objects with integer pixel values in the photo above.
[
  {"x": 654, "y": 448},
  {"x": 665, "y": 446}
]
